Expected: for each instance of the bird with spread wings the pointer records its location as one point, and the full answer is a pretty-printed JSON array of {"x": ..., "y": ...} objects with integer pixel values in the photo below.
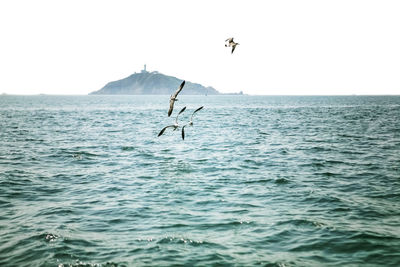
[{"x": 173, "y": 98}]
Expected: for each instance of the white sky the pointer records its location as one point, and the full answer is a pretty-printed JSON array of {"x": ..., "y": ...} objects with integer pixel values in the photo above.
[{"x": 286, "y": 47}]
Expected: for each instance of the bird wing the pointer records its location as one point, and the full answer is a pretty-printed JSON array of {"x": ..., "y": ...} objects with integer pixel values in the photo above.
[
  {"x": 182, "y": 110},
  {"x": 171, "y": 106},
  {"x": 233, "y": 48},
  {"x": 179, "y": 89},
  {"x": 196, "y": 111},
  {"x": 229, "y": 39},
  {"x": 183, "y": 132},
  {"x": 163, "y": 129}
]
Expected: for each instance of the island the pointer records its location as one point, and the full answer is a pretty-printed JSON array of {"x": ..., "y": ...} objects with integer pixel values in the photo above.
[{"x": 152, "y": 83}]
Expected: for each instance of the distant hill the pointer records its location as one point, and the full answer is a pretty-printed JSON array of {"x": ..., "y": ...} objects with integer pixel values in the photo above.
[{"x": 152, "y": 83}]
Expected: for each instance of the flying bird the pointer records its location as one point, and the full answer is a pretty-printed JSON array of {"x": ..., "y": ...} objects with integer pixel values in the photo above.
[
  {"x": 175, "y": 125},
  {"x": 191, "y": 117},
  {"x": 231, "y": 43},
  {"x": 190, "y": 123},
  {"x": 173, "y": 98}
]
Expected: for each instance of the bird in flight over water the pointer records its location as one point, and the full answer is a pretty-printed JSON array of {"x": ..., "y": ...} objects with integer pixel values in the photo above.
[
  {"x": 173, "y": 98},
  {"x": 175, "y": 125},
  {"x": 231, "y": 43},
  {"x": 190, "y": 123}
]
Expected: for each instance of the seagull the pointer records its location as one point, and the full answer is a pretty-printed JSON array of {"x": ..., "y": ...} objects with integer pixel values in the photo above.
[
  {"x": 190, "y": 123},
  {"x": 231, "y": 43},
  {"x": 175, "y": 125},
  {"x": 173, "y": 98},
  {"x": 191, "y": 118}
]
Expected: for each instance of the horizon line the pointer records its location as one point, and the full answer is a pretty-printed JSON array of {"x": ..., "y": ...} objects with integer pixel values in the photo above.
[{"x": 220, "y": 94}]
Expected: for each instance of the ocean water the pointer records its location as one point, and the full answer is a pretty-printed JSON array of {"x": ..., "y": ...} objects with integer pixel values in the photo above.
[{"x": 258, "y": 181}]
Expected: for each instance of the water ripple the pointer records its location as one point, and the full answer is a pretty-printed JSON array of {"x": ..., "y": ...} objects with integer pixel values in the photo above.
[{"x": 270, "y": 181}]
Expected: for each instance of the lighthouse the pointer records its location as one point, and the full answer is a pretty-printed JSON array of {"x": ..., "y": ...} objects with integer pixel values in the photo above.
[{"x": 144, "y": 69}]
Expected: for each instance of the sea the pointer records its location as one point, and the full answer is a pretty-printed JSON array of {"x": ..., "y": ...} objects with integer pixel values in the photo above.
[{"x": 257, "y": 181}]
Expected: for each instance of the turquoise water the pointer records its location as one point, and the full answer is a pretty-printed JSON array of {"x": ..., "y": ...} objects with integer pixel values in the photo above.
[{"x": 258, "y": 181}]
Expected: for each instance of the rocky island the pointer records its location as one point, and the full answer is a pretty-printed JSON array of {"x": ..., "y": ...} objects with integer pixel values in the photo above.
[{"x": 152, "y": 83}]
